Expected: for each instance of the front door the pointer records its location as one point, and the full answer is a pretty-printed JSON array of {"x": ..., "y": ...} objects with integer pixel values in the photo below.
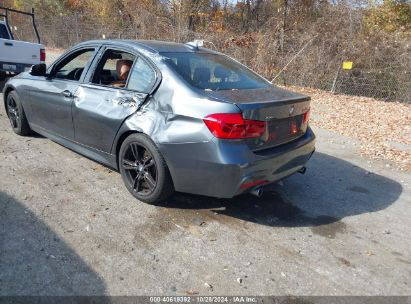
[{"x": 51, "y": 100}]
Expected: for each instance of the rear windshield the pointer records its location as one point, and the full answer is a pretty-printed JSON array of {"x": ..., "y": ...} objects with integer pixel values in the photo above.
[{"x": 213, "y": 72}]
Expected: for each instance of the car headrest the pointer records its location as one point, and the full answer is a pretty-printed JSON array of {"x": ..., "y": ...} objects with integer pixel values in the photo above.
[
  {"x": 184, "y": 68},
  {"x": 201, "y": 75},
  {"x": 123, "y": 68},
  {"x": 221, "y": 72}
]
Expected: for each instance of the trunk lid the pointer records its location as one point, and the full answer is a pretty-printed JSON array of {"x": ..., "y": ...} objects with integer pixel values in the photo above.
[{"x": 282, "y": 110}]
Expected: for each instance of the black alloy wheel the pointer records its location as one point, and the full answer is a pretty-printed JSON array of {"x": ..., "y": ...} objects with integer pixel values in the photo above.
[
  {"x": 140, "y": 168},
  {"x": 144, "y": 170},
  {"x": 13, "y": 112},
  {"x": 16, "y": 114}
]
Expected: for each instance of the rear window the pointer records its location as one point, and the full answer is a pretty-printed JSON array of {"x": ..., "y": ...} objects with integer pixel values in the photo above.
[
  {"x": 3, "y": 32},
  {"x": 213, "y": 71},
  {"x": 142, "y": 77}
]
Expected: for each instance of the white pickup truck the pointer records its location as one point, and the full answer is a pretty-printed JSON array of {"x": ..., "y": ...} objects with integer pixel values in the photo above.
[{"x": 17, "y": 56}]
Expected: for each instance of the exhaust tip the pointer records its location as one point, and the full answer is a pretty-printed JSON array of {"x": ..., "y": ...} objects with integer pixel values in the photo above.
[
  {"x": 257, "y": 192},
  {"x": 302, "y": 170}
]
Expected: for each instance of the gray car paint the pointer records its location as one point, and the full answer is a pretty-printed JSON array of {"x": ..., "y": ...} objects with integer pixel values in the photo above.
[{"x": 96, "y": 120}]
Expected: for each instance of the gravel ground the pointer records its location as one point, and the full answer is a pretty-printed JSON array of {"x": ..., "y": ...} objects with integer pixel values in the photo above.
[
  {"x": 68, "y": 226},
  {"x": 383, "y": 129}
]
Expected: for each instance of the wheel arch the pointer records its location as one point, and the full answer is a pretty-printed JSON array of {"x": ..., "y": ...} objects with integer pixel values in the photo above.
[
  {"x": 126, "y": 133},
  {"x": 130, "y": 126},
  {"x": 120, "y": 141},
  {"x": 148, "y": 124}
]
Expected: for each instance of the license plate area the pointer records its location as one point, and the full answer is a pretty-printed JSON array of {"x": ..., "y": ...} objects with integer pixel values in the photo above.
[
  {"x": 284, "y": 130},
  {"x": 9, "y": 67}
]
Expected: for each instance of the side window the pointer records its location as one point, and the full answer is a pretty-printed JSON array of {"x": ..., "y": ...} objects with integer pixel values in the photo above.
[
  {"x": 142, "y": 77},
  {"x": 113, "y": 68},
  {"x": 73, "y": 67},
  {"x": 4, "y": 33}
]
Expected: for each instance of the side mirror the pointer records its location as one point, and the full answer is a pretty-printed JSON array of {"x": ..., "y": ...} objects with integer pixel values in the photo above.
[{"x": 38, "y": 70}]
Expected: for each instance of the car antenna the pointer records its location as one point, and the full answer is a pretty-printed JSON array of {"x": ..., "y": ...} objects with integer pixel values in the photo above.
[
  {"x": 196, "y": 43},
  {"x": 200, "y": 42}
]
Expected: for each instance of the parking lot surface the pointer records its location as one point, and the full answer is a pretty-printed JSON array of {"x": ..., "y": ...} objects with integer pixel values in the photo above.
[{"x": 68, "y": 226}]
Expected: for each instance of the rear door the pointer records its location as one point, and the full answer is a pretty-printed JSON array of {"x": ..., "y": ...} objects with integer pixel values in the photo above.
[
  {"x": 51, "y": 98},
  {"x": 105, "y": 100}
]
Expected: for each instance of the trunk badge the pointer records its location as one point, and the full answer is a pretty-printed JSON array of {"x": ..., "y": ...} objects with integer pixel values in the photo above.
[{"x": 291, "y": 111}]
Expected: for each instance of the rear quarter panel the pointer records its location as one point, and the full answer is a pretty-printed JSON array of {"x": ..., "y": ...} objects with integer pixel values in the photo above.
[{"x": 174, "y": 113}]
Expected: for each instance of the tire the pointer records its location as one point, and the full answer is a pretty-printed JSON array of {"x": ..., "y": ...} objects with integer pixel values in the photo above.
[
  {"x": 144, "y": 170},
  {"x": 17, "y": 117},
  {"x": 3, "y": 76}
]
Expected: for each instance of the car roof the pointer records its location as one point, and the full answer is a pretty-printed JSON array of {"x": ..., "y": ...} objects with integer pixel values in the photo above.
[{"x": 152, "y": 46}]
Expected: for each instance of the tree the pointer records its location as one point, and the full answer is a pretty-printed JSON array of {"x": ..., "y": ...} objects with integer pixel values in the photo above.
[{"x": 390, "y": 16}]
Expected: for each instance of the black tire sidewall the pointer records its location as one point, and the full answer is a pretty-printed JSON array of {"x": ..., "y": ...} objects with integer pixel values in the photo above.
[
  {"x": 163, "y": 178},
  {"x": 23, "y": 127},
  {"x": 18, "y": 129}
]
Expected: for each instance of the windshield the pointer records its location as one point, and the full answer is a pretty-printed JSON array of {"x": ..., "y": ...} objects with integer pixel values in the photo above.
[{"x": 213, "y": 72}]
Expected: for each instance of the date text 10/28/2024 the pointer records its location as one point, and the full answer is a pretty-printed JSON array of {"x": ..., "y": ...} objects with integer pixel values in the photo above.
[{"x": 201, "y": 299}]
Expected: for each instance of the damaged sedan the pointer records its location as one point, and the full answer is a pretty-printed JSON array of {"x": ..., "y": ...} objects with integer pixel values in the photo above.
[{"x": 169, "y": 116}]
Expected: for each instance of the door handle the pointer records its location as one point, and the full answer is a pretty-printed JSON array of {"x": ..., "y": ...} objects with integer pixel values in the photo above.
[
  {"x": 8, "y": 43},
  {"x": 67, "y": 94}
]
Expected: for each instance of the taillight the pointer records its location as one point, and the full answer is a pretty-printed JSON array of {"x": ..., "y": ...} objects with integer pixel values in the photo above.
[
  {"x": 234, "y": 126},
  {"x": 306, "y": 117},
  {"x": 42, "y": 55}
]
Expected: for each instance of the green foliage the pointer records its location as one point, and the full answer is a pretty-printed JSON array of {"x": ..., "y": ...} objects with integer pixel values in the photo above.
[
  {"x": 390, "y": 16},
  {"x": 42, "y": 6}
]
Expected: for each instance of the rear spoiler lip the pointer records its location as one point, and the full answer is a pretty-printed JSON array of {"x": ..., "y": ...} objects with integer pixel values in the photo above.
[
  {"x": 275, "y": 109},
  {"x": 258, "y": 97},
  {"x": 269, "y": 103},
  {"x": 301, "y": 98}
]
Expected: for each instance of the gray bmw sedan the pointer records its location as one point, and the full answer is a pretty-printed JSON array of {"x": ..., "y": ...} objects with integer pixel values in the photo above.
[{"x": 169, "y": 116}]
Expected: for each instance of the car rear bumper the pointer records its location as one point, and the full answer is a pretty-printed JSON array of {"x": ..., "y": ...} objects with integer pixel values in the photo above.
[{"x": 227, "y": 168}]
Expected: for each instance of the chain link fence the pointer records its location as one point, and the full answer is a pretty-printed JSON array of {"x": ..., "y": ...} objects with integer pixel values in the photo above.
[
  {"x": 373, "y": 85},
  {"x": 390, "y": 83},
  {"x": 387, "y": 78}
]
